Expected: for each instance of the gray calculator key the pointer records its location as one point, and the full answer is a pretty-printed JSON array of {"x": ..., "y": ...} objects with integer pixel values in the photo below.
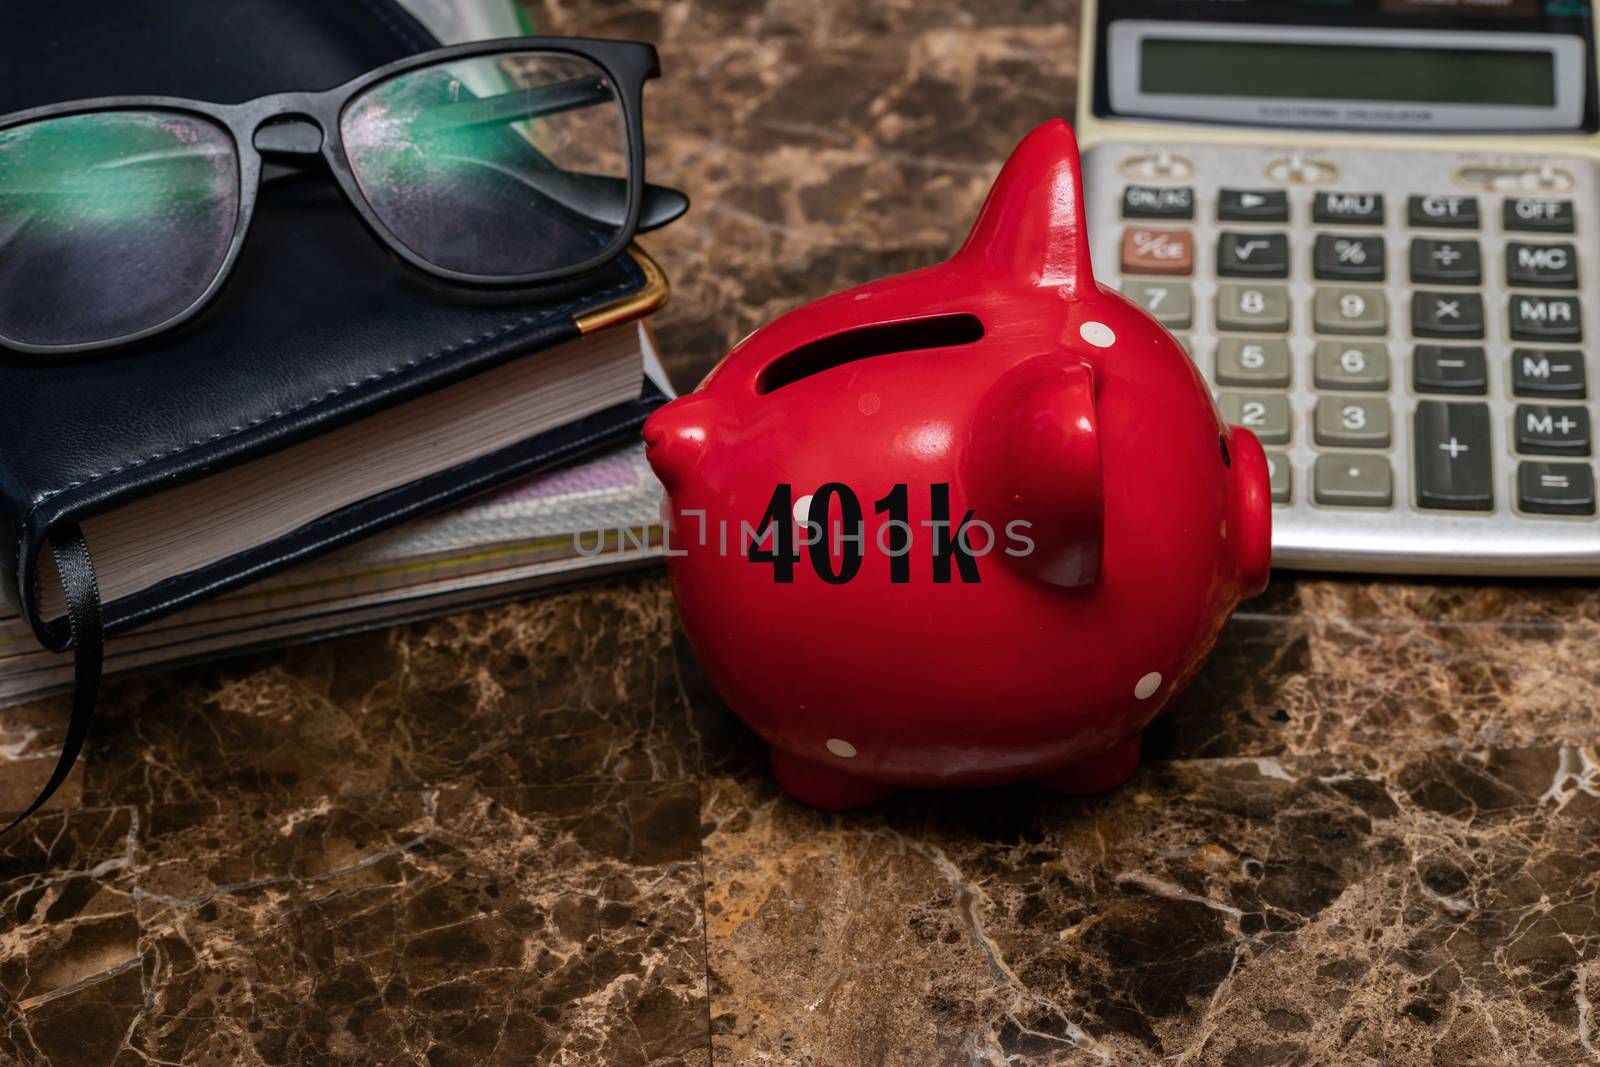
[
  {"x": 1280, "y": 477},
  {"x": 1447, "y": 316},
  {"x": 1531, "y": 266},
  {"x": 1253, "y": 308},
  {"x": 1532, "y": 214},
  {"x": 1361, "y": 209},
  {"x": 1252, "y": 205},
  {"x": 1446, "y": 262},
  {"x": 1263, "y": 363},
  {"x": 1453, "y": 462},
  {"x": 1354, "y": 481},
  {"x": 1188, "y": 346},
  {"x": 1352, "y": 422},
  {"x": 1552, "y": 430},
  {"x": 1268, "y": 417},
  {"x": 1253, "y": 255},
  {"x": 1457, "y": 369},
  {"x": 1557, "y": 373},
  {"x": 1155, "y": 202},
  {"x": 1443, "y": 212},
  {"x": 1356, "y": 365},
  {"x": 1350, "y": 311},
  {"x": 1348, "y": 259},
  {"x": 1171, "y": 303},
  {"x": 1555, "y": 488},
  {"x": 1546, "y": 318}
]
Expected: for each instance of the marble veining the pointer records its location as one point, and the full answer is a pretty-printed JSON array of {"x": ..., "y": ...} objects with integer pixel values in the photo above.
[{"x": 531, "y": 834}]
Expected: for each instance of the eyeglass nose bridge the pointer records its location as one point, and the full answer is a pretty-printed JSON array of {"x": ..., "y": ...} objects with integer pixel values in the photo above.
[{"x": 292, "y": 133}]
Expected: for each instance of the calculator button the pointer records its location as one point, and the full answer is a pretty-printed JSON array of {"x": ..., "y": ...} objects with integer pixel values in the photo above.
[
  {"x": 1280, "y": 477},
  {"x": 1553, "y": 372},
  {"x": 1253, "y": 255},
  {"x": 1252, "y": 205},
  {"x": 1446, "y": 262},
  {"x": 1351, "y": 422},
  {"x": 1265, "y": 416},
  {"x": 1545, "y": 318},
  {"x": 1357, "y": 365},
  {"x": 1263, "y": 364},
  {"x": 1453, "y": 462},
  {"x": 1348, "y": 259},
  {"x": 1541, "y": 266},
  {"x": 1261, "y": 308},
  {"x": 1172, "y": 303},
  {"x": 1360, "y": 209},
  {"x": 1450, "y": 369},
  {"x": 1555, "y": 488},
  {"x": 1187, "y": 344},
  {"x": 1350, "y": 311},
  {"x": 1447, "y": 315},
  {"x": 1532, "y": 214},
  {"x": 1543, "y": 430},
  {"x": 1354, "y": 481},
  {"x": 1157, "y": 202},
  {"x": 1443, "y": 212},
  {"x": 1157, "y": 251}
]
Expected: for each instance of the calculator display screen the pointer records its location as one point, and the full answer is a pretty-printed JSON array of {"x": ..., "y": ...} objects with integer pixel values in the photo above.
[
  {"x": 1347, "y": 76},
  {"x": 1347, "y": 72}
]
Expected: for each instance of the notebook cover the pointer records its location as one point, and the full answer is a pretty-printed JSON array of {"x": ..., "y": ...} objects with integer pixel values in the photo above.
[{"x": 317, "y": 327}]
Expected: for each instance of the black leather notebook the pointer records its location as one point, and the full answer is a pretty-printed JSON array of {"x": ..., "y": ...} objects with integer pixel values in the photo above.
[{"x": 317, "y": 332}]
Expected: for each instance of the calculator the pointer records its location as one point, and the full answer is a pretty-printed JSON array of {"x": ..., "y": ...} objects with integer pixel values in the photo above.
[{"x": 1373, "y": 227}]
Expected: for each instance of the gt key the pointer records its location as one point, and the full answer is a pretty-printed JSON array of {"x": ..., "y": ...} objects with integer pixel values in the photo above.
[{"x": 1453, "y": 465}]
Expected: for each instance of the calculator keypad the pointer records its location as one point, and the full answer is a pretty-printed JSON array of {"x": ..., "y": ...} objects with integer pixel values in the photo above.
[{"x": 1408, "y": 352}]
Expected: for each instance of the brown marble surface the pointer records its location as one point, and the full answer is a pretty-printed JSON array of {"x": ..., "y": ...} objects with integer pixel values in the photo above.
[{"x": 532, "y": 835}]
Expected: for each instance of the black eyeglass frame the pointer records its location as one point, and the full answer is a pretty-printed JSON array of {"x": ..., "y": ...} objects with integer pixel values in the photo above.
[{"x": 627, "y": 64}]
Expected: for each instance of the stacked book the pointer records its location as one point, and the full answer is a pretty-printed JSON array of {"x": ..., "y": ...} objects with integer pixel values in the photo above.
[{"x": 595, "y": 518}]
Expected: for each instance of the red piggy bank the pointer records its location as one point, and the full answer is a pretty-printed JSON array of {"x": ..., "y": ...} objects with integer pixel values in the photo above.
[{"x": 974, "y": 524}]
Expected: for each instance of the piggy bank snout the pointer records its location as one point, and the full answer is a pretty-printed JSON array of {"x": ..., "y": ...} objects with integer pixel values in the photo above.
[{"x": 675, "y": 438}]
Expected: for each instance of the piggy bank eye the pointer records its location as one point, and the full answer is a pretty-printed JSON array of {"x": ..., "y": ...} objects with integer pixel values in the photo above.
[
  {"x": 1227, "y": 460},
  {"x": 865, "y": 342}
]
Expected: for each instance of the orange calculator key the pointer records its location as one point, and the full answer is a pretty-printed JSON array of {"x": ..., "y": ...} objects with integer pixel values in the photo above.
[{"x": 1146, "y": 251}]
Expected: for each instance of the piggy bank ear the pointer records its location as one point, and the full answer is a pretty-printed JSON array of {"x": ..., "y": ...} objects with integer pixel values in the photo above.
[{"x": 1031, "y": 228}]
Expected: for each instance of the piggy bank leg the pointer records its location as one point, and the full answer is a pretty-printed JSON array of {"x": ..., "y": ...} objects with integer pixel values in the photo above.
[
  {"x": 1097, "y": 774},
  {"x": 821, "y": 786}
]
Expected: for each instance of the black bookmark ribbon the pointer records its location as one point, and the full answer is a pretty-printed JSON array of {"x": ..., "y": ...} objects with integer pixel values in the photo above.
[{"x": 88, "y": 646}]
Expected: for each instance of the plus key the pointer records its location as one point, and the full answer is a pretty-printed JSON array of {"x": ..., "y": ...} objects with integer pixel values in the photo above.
[{"x": 1453, "y": 464}]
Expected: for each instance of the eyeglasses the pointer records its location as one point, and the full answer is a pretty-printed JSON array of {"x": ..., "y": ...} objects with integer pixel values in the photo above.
[{"x": 497, "y": 163}]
